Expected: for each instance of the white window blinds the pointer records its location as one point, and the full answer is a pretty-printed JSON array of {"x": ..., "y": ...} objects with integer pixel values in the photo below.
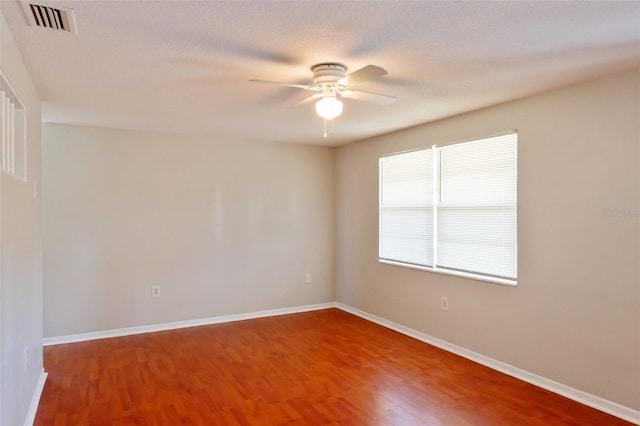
[
  {"x": 13, "y": 158},
  {"x": 406, "y": 208},
  {"x": 452, "y": 209}
]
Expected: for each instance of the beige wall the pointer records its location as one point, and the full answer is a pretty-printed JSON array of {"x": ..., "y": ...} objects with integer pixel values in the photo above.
[
  {"x": 224, "y": 227},
  {"x": 575, "y": 315},
  {"x": 21, "y": 259}
]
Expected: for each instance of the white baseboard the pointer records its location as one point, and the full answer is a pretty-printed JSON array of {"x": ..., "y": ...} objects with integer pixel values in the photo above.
[
  {"x": 35, "y": 399},
  {"x": 585, "y": 398},
  {"x": 182, "y": 324}
]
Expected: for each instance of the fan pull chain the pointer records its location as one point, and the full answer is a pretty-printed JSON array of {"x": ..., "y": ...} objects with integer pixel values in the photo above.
[{"x": 325, "y": 127}]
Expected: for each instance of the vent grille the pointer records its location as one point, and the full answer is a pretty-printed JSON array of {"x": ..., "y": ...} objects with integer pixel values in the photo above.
[{"x": 56, "y": 18}]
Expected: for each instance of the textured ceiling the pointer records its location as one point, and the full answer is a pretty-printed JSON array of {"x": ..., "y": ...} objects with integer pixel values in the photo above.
[{"x": 184, "y": 66}]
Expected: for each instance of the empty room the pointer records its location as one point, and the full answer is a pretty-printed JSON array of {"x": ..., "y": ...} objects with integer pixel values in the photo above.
[{"x": 319, "y": 212}]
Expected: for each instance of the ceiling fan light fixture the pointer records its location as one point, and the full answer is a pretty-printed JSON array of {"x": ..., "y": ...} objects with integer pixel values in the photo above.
[{"x": 329, "y": 107}]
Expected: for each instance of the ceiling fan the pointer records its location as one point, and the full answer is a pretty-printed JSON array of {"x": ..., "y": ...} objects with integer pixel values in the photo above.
[{"x": 330, "y": 81}]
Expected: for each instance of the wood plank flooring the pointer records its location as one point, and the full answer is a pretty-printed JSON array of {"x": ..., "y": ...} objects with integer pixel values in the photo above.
[{"x": 314, "y": 368}]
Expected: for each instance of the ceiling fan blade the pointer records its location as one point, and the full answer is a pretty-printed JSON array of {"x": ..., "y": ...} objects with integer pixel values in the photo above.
[
  {"x": 370, "y": 72},
  {"x": 279, "y": 83},
  {"x": 308, "y": 100},
  {"x": 368, "y": 97}
]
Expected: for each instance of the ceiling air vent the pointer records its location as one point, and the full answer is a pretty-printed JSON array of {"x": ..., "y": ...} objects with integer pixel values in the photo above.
[{"x": 56, "y": 18}]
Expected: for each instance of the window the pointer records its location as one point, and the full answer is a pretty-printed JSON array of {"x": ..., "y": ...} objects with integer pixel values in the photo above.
[
  {"x": 13, "y": 135},
  {"x": 452, "y": 209}
]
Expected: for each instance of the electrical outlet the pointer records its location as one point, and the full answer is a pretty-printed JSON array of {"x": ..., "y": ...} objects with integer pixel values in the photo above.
[
  {"x": 445, "y": 303},
  {"x": 307, "y": 278},
  {"x": 26, "y": 358},
  {"x": 155, "y": 291}
]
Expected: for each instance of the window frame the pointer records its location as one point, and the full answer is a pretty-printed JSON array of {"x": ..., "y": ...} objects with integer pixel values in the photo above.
[{"x": 438, "y": 205}]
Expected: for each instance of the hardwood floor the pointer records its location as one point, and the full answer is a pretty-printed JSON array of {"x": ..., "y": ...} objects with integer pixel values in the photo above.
[{"x": 315, "y": 368}]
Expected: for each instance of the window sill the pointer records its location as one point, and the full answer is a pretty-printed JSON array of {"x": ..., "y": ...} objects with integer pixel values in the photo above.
[{"x": 495, "y": 280}]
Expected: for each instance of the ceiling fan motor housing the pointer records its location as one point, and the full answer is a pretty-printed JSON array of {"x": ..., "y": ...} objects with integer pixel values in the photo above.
[{"x": 328, "y": 73}]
